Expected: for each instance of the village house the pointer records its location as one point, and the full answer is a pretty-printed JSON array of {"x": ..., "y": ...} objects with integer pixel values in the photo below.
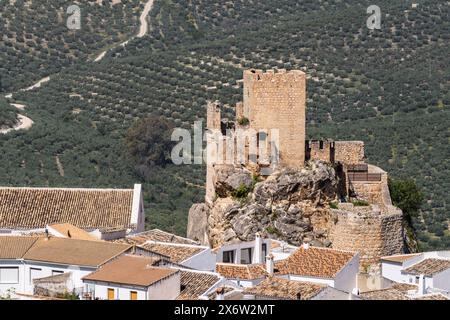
[
  {"x": 178, "y": 250},
  {"x": 428, "y": 271},
  {"x": 24, "y": 259},
  {"x": 335, "y": 268},
  {"x": 100, "y": 211},
  {"x": 244, "y": 252},
  {"x": 273, "y": 288},
  {"x": 131, "y": 277}
]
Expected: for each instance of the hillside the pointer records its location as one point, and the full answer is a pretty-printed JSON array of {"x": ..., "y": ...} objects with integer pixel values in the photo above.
[{"x": 388, "y": 87}]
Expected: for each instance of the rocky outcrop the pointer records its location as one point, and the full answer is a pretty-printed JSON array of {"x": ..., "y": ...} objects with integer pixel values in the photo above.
[{"x": 290, "y": 205}]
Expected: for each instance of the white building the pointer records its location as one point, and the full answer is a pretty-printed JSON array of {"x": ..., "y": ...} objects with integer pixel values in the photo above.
[
  {"x": 334, "y": 268},
  {"x": 131, "y": 277},
  {"x": 244, "y": 252},
  {"x": 430, "y": 271},
  {"x": 23, "y": 259},
  {"x": 30, "y": 210},
  {"x": 178, "y": 250}
]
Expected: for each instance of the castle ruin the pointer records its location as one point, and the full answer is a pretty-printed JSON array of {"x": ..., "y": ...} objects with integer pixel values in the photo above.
[{"x": 277, "y": 100}]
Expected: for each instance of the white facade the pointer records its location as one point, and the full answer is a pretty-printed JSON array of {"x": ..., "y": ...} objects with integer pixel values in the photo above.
[
  {"x": 137, "y": 211},
  {"x": 165, "y": 289},
  {"x": 204, "y": 260},
  {"x": 395, "y": 271},
  {"x": 244, "y": 252},
  {"x": 21, "y": 279}
]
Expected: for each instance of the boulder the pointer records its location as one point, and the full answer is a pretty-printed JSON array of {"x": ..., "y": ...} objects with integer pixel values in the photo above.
[{"x": 197, "y": 228}]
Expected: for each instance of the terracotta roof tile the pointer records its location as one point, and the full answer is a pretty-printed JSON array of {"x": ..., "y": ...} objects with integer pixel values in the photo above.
[
  {"x": 398, "y": 291},
  {"x": 241, "y": 271},
  {"x": 194, "y": 284},
  {"x": 429, "y": 267},
  {"x": 33, "y": 208},
  {"x": 176, "y": 253},
  {"x": 278, "y": 288},
  {"x": 314, "y": 262},
  {"x": 131, "y": 270},
  {"x": 68, "y": 230},
  {"x": 156, "y": 235},
  {"x": 15, "y": 247},
  {"x": 74, "y": 252},
  {"x": 400, "y": 257}
]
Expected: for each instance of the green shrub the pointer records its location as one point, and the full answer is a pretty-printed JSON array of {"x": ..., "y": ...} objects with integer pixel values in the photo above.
[
  {"x": 273, "y": 230},
  {"x": 333, "y": 205},
  {"x": 360, "y": 203},
  {"x": 241, "y": 192},
  {"x": 243, "y": 121}
]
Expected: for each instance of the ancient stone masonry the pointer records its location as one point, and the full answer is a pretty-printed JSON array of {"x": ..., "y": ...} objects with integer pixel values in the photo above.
[
  {"x": 368, "y": 231},
  {"x": 278, "y": 101},
  {"x": 292, "y": 201}
]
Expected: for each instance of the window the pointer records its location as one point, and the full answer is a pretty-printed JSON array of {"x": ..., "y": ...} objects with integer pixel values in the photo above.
[
  {"x": 35, "y": 273},
  {"x": 111, "y": 294},
  {"x": 133, "y": 295},
  {"x": 246, "y": 256},
  {"x": 9, "y": 275},
  {"x": 264, "y": 251},
  {"x": 228, "y": 256}
]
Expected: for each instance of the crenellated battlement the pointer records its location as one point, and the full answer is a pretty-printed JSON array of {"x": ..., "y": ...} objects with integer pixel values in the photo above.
[{"x": 278, "y": 75}]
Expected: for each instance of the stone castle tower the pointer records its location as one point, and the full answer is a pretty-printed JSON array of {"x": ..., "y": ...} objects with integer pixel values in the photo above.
[{"x": 277, "y": 100}]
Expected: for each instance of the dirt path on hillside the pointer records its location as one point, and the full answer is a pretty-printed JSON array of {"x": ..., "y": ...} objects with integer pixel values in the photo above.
[
  {"x": 144, "y": 23},
  {"x": 143, "y": 29},
  {"x": 25, "y": 123}
]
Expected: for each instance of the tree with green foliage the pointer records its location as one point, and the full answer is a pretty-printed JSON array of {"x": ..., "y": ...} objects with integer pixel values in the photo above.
[
  {"x": 149, "y": 142},
  {"x": 407, "y": 196}
]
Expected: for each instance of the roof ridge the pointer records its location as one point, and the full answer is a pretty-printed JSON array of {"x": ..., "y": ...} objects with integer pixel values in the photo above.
[{"x": 65, "y": 188}]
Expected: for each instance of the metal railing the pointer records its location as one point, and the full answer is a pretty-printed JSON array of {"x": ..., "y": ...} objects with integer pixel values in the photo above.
[{"x": 364, "y": 176}]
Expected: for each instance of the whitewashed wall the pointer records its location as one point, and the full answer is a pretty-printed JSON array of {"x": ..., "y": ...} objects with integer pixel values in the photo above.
[
  {"x": 346, "y": 279},
  {"x": 205, "y": 261},
  {"x": 120, "y": 292}
]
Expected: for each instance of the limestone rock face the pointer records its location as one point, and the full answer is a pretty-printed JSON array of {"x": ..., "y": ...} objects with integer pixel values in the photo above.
[
  {"x": 290, "y": 205},
  {"x": 229, "y": 178},
  {"x": 197, "y": 228}
]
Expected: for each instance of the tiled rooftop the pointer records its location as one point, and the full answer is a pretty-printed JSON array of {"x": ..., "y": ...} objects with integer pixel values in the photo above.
[
  {"x": 395, "y": 292},
  {"x": 194, "y": 284},
  {"x": 33, "y": 208},
  {"x": 314, "y": 262},
  {"x": 429, "y": 267},
  {"x": 68, "y": 230},
  {"x": 398, "y": 291},
  {"x": 241, "y": 271},
  {"x": 283, "y": 289},
  {"x": 131, "y": 270},
  {"x": 74, "y": 252},
  {"x": 400, "y": 257},
  {"x": 158, "y": 236},
  {"x": 15, "y": 247},
  {"x": 177, "y": 253}
]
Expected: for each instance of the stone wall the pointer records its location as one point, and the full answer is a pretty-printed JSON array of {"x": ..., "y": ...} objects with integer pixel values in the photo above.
[
  {"x": 321, "y": 150},
  {"x": 349, "y": 152},
  {"x": 368, "y": 231},
  {"x": 277, "y": 100},
  {"x": 375, "y": 192}
]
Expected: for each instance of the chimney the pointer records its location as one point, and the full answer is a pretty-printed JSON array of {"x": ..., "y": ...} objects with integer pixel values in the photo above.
[
  {"x": 257, "y": 254},
  {"x": 269, "y": 264},
  {"x": 220, "y": 294},
  {"x": 421, "y": 289},
  {"x": 46, "y": 234},
  {"x": 306, "y": 246},
  {"x": 355, "y": 292}
]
